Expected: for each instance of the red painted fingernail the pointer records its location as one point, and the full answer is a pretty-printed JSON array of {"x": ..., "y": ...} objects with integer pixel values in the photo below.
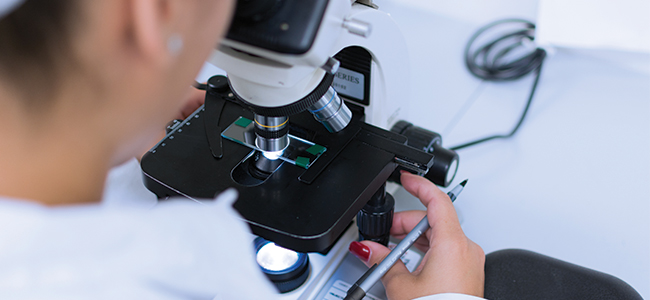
[{"x": 360, "y": 250}]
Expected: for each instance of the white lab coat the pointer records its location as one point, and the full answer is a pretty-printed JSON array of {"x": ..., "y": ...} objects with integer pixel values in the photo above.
[
  {"x": 176, "y": 250},
  {"x": 129, "y": 247}
]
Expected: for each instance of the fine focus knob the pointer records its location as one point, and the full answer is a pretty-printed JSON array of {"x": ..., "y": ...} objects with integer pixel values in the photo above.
[{"x": 376, "y": 217}]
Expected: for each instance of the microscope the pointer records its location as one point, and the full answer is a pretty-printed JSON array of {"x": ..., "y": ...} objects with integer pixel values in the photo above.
[{"x": 307, "y": 125}]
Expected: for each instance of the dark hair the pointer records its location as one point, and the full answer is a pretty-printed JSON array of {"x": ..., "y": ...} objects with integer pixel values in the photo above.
[{"x": 35, "y": 47}]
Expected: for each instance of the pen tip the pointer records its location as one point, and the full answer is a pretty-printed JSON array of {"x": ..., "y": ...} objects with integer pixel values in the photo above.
[{"x": 464, "y": 183}]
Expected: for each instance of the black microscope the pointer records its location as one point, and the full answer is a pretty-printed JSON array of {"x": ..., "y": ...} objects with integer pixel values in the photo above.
[{"x": 305, "y": 125}]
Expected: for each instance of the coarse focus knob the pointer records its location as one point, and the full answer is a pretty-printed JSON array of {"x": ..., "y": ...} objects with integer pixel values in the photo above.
[{"x": 376, "y": 218}]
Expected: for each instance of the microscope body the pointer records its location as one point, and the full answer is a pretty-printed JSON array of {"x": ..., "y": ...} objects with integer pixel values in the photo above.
[
  {"x": 374, "y": 64},
  {"x": 301, "y": 177}
]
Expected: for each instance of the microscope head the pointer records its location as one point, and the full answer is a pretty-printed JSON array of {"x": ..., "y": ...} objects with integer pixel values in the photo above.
[
  {"x": 290, "y": 32},
  {"x": 278, "y": 56}
]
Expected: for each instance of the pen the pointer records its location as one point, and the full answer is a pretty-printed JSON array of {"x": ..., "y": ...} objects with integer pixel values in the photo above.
[{"x": 363, "y": 285}]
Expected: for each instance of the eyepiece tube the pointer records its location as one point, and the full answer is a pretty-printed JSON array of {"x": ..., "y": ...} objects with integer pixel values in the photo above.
[{"x": 331, "y": 111}]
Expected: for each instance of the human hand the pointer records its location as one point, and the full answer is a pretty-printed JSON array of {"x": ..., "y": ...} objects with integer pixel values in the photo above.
[
  {"x": 192, "y": 100},
  {"x": 452, "y": 263}
]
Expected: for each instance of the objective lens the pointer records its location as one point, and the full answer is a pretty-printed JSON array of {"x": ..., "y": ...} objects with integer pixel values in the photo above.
[
  {"x": 331, "y": 111},
  {"x": 272, "y": 133}
]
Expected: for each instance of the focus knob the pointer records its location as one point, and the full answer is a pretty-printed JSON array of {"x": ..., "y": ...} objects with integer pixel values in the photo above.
[{"x": 376, "y": 217}]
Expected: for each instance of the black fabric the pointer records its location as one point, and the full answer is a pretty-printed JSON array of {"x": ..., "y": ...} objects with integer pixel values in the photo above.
[{"x": 520, "y": 274}]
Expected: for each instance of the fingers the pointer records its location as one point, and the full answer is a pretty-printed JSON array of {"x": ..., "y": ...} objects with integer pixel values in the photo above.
[
  {"x": 191, "y": 102},
  {"x": 421, "y": 188},
  {"x": 404, "y": 222},
  {"x": 373, "y": 253},
  {"x": 441, "y": 213},
  {"x": 452, "y": 262}
]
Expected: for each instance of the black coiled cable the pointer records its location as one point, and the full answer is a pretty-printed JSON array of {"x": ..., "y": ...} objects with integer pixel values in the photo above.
[{"x": 493, "y": 61}]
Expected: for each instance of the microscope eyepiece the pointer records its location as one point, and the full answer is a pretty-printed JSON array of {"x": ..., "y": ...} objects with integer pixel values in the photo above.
[
  {"x": 255, "y": 10},
  {"x": 280, "y": 26}
]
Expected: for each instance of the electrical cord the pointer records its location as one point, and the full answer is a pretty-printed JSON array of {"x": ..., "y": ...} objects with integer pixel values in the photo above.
[{"x": 505, "y": 58}]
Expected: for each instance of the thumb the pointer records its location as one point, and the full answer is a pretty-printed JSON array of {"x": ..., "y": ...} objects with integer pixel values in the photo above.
[{"x": 374, "y": 253}]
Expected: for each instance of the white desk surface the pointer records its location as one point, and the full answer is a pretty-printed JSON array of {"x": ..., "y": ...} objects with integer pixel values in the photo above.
[{"x": 574, "y": 182}]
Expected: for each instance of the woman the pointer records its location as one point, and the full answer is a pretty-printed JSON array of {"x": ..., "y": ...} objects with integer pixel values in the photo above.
[{"x": 87, "y": 85}]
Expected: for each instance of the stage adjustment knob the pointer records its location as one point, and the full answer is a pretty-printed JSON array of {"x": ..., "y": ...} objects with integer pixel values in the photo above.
[{"x": 445, "y": 161}]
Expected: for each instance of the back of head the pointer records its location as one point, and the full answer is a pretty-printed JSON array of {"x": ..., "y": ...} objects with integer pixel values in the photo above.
[{"x": 35, "y": 46}]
